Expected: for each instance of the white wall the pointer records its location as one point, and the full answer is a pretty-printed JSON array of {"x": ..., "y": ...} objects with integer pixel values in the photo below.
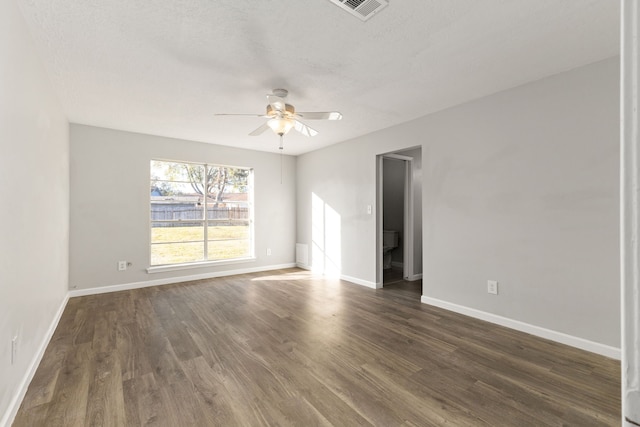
[
  {"x": 110, "y": 204},
  {"x": 34, "y": 189},
  {"x": 520, "y": 187}
]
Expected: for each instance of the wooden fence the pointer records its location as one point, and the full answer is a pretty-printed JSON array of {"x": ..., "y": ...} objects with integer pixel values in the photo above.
[{"x": 184, "y": 213}]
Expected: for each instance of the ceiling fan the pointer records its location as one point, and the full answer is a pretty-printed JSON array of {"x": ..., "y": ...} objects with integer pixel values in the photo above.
[{"x": 283, "y": 117}]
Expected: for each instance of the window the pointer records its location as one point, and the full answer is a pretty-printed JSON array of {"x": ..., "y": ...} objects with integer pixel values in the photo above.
[{"x": 200, "y": 213}]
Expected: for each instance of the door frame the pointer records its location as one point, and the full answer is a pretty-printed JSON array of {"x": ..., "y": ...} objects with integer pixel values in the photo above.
[
  {"x": 408, "y": 216},
  {"x": 630, "y": 213}
]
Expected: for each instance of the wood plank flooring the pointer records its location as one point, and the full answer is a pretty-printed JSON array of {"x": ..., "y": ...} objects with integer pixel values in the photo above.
[{"x": 284, "y": 348}]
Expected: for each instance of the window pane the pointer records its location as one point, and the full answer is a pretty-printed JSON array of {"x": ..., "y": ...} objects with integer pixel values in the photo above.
[
  {"x": 177, "y": 172},
  {"x": 169, "y": 190},
  {"x": 226, "y": 215},
  {"x": 228, "y": 249},
  {"x": 171, "y": 232},
  {"x": 176, "y": 210},
  {"x": 229, "y": 241},
  {"x": 227, "y": 192},
  {"x": 228, "y": 232},
  {"x": 175, "y": 253}
]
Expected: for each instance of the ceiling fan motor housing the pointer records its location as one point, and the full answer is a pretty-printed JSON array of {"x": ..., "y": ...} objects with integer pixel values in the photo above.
[
  {"x": 288, "y": 108},
  {"x": 281, "y": 93}
]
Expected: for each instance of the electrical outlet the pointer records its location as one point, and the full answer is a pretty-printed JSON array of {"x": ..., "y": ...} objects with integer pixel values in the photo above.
[
  {"x": 268, "y": 251},
  {"x": 492, "y": 287},
  {"x": 369, "y": 209},
  {"x": 14, "y": 349},
  {"x": 122, "y": 265}
]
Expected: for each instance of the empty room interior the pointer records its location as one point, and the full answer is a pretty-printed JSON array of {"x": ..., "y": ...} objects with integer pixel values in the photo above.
[{"x": 313, "y": 213}]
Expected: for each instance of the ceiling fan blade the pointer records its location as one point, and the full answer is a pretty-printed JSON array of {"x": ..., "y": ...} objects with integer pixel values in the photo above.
[
  {"x": 259, "y": 130},
  {"x": 240, "y": 115},
  {"x": 304, "y": 129},
  {"x": 328, "y": 115},
  {"x": 276, "y": 102}
]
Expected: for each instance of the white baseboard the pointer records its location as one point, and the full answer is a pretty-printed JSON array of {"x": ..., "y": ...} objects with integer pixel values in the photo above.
[
  {"x": 549, "y": 334},
  {"x": 415, "y": 277},
  {"x": 16, "y": 401},
  {"x": 346, "y": 278},
  {"x": 170, "y": 280},
  {"x": 361, "y": 282}
]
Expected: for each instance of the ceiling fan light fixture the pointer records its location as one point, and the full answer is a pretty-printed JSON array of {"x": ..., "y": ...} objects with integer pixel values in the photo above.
[{"x": 281, "y": 126}]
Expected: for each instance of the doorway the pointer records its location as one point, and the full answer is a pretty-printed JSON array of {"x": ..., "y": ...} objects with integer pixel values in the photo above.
[{"x": 399, "y": 217}]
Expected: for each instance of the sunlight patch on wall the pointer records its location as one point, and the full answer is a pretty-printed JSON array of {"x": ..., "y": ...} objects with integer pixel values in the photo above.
[{"x": 326, "y": 236}]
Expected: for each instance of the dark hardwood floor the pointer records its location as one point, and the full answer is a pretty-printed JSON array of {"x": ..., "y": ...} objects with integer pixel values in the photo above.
[
  {"x": 286, "y": 348},
  {"x": 395, "y": 285}
]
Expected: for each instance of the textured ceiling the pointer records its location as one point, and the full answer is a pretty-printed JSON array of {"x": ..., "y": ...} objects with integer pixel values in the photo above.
[{"x": 164, "y": 67}]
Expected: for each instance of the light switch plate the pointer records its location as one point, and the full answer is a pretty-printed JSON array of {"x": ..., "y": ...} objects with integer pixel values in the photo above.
[{"x": 492, "y": 287}]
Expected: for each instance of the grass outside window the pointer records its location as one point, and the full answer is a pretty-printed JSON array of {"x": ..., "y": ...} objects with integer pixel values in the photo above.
[{"x": 174, "y": 245}]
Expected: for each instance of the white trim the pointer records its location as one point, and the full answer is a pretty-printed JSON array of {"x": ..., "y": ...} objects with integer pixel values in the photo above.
[
  {"x": 408, "y": 247},
  {"x": 549, "y": 334},
  {"x": 170, "y": 280},
  {"x": 361, "y": 282},
  {"x": 630, "y": 210},
  {"x": 378, "y": 219},
  {"x": 394, "y": 156},
  {"x": 200, "y": 264},
  {"x": 350, "y": 279},
  {"x": 16, "y": 401}
]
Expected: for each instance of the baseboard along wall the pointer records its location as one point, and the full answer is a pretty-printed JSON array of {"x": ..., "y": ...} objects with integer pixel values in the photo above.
[
  {"x": 560, "y": 337},
  {"x": 12, "y": 410},
  {"x": 170, "y": 280}
]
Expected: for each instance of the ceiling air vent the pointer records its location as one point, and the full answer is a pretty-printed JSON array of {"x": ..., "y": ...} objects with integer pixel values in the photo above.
[{"x": 363, "y": 9}]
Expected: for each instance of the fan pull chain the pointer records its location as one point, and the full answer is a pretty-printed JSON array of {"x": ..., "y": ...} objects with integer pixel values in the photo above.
[{"x": 281, "y": 147}]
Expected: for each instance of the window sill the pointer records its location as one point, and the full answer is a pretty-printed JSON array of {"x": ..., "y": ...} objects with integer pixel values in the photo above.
[{"x": 202, "y": 264}]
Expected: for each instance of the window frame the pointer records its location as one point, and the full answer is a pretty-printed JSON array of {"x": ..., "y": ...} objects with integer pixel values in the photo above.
[{"x": 205, "y": 222}]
